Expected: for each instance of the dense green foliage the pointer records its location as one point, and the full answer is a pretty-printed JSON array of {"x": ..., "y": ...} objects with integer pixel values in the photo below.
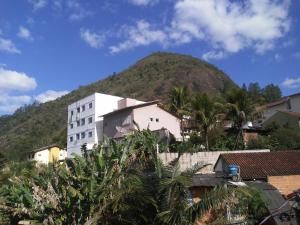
[
  {"x": 281, "y": 138},
  {"x": 151, "y": 78},
  {"x": 117, "y": 183},
  {"x": 208, "y": 117},
  {"x": 260, "y": 95}
]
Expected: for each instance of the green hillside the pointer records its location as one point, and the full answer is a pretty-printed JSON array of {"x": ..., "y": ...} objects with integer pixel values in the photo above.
[{"x": 150, "y": 78}]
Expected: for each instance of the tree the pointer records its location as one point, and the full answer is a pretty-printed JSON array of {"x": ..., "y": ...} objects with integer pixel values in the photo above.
[
  {"x": 271, "y": 93},
  {"x": 205, "y": 112},
  {"x": 179, "y": 101},
  {"x": 255, "y": 92},
  {"x": 119, "y": 183},
  {"x": 239, "y": 109}
]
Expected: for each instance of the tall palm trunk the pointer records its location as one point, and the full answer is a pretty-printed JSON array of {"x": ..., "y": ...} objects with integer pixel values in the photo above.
[{"x": 206, "y": 139}]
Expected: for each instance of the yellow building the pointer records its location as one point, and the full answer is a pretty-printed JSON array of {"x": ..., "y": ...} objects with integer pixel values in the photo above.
[{"x": 47, "y": 154}]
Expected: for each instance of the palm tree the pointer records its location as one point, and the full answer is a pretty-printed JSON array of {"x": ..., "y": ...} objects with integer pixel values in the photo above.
[
  {"x": 239, "y": 109},
  {"x": 205, "y": 112},
  {"x": 179, "y": 102},
  {"x": 119, "y": 183}
]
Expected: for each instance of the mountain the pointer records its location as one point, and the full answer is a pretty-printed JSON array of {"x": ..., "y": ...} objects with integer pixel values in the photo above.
[{"x": 150, "y": 78}]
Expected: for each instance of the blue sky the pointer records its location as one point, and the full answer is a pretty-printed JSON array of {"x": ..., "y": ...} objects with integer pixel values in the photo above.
[{"x": 50, "y": 47}]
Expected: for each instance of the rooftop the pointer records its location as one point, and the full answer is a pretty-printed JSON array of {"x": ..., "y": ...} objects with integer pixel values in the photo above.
[
  {"x": 280, "y": 101},
  {"x": 290, "y": 113},
  {"x": 260, "y": 165}
]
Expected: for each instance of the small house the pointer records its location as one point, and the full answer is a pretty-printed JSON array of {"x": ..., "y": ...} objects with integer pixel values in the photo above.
[
  {"x": 47, "y": 154},
  {"x": 131, "y": 117},
  {"x": 279, "y": 168}
]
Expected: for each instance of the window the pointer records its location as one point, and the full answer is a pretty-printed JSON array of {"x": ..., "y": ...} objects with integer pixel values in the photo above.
[
  {"x": 83, "y": 108},
  {"x": 157, "y": 120},
  {"x": 90, "y": 105},
  {"x": 90, "y": 134},
  {"x": 82, "y": 135},
  {"x": 71, "y": 125},
  {"x": 78, "y": 109},
  {"x": 151, "y": 119},
  {"x": 78, "y": 123},
  {"x": 39, "y": 154},
  {"x": 82, "y": 121},
  {"x": 71, "y": 139},
  {"x": 77, "y": 136},
  {"x": 72, "y": 113},
  {"x": 90, "y": 119}
]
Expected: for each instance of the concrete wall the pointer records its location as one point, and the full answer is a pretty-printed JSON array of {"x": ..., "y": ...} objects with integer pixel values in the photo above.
[
  {"x": 155, "y": 118},
  {"x": 189, "y": 160},
  {"x": 285, "y": 184}
]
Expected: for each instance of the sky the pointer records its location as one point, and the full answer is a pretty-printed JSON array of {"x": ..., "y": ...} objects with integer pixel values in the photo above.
[{"x": 51, "y": 47}]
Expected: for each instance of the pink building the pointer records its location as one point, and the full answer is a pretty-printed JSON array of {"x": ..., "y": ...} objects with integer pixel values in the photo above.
[{"x": 131, "y": 116}]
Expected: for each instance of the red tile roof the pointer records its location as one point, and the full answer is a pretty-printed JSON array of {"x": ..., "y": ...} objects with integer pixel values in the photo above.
[{"x": 260, "y": 165}]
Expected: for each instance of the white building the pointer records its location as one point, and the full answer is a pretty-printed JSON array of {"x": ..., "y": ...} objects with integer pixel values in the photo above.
[
  {"x": 85, "y": 121},
  {"x": 47, "y": 154}
]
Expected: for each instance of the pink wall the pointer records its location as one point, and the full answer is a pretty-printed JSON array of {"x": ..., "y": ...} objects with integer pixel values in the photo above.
[{"x": 165, "y": 120}]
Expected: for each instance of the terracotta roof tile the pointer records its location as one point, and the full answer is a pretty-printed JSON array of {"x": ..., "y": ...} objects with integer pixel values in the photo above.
[{"x": 260, "y": 165}]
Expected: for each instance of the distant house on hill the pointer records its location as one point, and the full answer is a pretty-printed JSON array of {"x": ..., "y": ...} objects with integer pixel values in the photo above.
[
  {"x": 279, "y": 168},
  {"x": 284, "y": 118},
  {"x": 147, "y": 115},
  {"x": 47, "y": 154},
  {"x": 289, "y": 103}
]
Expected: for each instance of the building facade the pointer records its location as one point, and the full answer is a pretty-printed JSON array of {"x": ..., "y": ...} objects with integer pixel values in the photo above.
[
  {"x": 289, "y": 103},
  {"x": 142, "y": 116},
  {"x": 85, "y": 120}
]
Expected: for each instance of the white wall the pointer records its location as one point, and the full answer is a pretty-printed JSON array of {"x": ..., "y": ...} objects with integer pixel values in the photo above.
[
  {"x": 101, "y": 104},
  {"x": 75, "y": 145},
  {"x": 42, "y": 156}
]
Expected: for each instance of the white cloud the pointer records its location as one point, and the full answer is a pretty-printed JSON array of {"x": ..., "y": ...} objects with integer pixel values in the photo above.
[
  {"x": 38, "y": 4},
  {"x": 232, "y": 26},
  {"x": 228, "y": 26},
  {"x": 7, "y": 45},
  {"x": 8, "y": 104},
  {"x": 291, "y": 83},
  {"x": 13, "y": 80},
  {"x": 213, "y": 55},
  {"x": 78, "y": 12},
  {"x": 92, "y": 39},
  {"x": 143, "y": 2},
  {"x": 140, "y": 35},
  {"x": 24, "y": 33},
  {"x": 50, "y": 95}
]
